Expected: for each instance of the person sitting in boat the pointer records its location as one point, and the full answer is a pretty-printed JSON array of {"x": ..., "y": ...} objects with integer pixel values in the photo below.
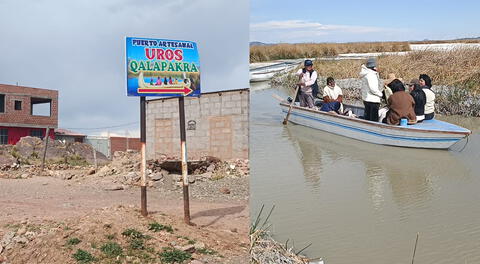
[
  {"x": 307, "y": 79},
  {"x": 382, "y": 112},
  {"x": 152, "y": 82},
  {"x": 371, "y": 93},
  {"x": 387, "y": 91},
  {"x": 400, "y": 104},
  {"x": 332, "y": 97},
  {"x": 159, "y": 81},
  {"x": 419, "y": 97},
  {"x": 426, "y": 85}
]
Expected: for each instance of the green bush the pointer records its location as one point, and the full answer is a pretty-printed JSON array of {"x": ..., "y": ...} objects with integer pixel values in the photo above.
[
  {"x": 172, "y": 255},
  {"x": 133, "y": 233},
  {"x": 155, "y": 227},
  {"x": 111, "y": 249},
  {"x": 206, "y": 251},
  {"x": 82, "y": 256},
  {"x": 137, "y": 244},
  {"x": 73, "y": 241}
]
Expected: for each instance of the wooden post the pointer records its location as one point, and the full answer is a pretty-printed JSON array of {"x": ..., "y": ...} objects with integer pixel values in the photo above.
[
  {"x": 143, "y": 176},
  {"x": 183, "y": 142},
  {"x": 95, "y": 158},
  {"x": 46, "y": 145},
  {"x": 285, "y": 121},
  {"x": 415, "y": 248}
]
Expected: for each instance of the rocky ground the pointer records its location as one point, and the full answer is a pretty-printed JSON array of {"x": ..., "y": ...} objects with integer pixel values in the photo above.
[{"x": 73, "y": 212}]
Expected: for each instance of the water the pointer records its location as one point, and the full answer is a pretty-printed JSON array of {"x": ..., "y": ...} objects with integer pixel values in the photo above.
[{"x": 363, "y": 203}]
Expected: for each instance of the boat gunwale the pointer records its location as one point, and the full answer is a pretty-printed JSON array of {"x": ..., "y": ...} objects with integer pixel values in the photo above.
[{"x": 377, "y": 124}]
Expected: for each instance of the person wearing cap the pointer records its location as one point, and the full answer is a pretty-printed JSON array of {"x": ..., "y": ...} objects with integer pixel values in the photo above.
[
  {"x": 371, "y": 94},
  {"x": 307, "y": 79},
  {"x": 426, "y": 85},
  {"x": 400, "y": 105},
  {"x": 419, "y": 97},
  {"x": 332, "y": 97}
]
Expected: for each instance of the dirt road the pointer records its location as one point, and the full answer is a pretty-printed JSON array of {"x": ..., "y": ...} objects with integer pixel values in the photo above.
[{"x": 41, "y": 201}]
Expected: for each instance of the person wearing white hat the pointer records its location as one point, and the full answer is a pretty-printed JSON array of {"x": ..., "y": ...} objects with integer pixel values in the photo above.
[{"x": 371, "y": 94}]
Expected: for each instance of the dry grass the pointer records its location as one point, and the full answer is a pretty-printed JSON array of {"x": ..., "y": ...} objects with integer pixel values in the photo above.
[
  {"x": 264, "y": 249},
  {"x": 315, "y": 50},
  {"x": 459, "y": 68},
  {"x": 455, "y": 76},
  {"x": 446, "y": 41}
]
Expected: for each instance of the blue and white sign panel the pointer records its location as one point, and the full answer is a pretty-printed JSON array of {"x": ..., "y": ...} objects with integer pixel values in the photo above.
[{"x": 162, "y": 67}]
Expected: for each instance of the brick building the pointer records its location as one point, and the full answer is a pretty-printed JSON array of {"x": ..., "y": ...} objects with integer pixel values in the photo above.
[
  {"x": 216, "y": 123},
  {"x": 123, "y": 144},
  {"x": 26, "y": 111},
  {"x": 66, "y": 135}
]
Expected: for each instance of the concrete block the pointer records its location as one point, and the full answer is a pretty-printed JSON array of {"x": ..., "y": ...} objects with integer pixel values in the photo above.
[{"x": 214, "y": 99}]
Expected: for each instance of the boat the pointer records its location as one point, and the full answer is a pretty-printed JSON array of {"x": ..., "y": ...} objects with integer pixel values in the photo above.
[
  {"x": 185, "y": 82},
  {"x": 429, "y": 134},
  {"x": 267, "y": 70}
]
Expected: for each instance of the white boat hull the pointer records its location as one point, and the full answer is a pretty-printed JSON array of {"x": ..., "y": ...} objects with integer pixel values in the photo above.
[
  {"x": 374, "y": 132},
  {"x": 261, "y": 77}
]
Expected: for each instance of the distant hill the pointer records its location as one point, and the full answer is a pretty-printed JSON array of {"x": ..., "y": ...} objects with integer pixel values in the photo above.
[
  {"x": 258, "y": 43},
  {"x": 473, "y": 38}
]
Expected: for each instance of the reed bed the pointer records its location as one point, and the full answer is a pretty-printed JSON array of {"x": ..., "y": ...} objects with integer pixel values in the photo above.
[
  {"x": 316, "y": 50},
  {"x": 459, "y": 68},
  {"x": 265, "y": 250},
  {"x": 455, "y": 75},
  {"x": 470, "y": 40}
]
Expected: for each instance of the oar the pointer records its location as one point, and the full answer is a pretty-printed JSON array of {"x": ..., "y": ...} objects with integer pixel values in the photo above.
[{"x": 285, "y": 121}]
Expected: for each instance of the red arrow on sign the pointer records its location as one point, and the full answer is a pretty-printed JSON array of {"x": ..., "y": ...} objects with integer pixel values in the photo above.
[{"x": 185, "y": 90}]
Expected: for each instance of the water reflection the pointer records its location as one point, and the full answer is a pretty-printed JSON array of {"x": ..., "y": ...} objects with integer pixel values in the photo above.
[
  {"x": 410, "y": 174},
  {"x": 363, "y": 203}
]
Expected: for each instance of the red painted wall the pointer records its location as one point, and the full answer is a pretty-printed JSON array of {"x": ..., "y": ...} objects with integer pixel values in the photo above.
[{"x": 15, "y": 133}]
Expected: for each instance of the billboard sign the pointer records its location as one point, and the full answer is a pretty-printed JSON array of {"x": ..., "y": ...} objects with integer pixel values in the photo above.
[{"x": 162, "y": 67}]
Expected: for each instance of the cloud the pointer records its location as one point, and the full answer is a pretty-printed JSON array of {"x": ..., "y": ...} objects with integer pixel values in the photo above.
[
  {"x": 304, "y": 31},
  {"x": 77, "y": 48}
]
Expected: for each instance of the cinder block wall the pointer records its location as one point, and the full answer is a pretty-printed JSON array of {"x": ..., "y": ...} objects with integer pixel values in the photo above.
[
  {"x": 217, "y": 125},
  {"x": 23, "y": 118}
]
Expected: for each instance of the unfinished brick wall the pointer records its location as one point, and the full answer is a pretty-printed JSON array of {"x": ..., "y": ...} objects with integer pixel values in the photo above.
[
  {"x": 120, "y": 144},
  {"x": 23, "y": 118},
  {"x": 221, "y": 126}
]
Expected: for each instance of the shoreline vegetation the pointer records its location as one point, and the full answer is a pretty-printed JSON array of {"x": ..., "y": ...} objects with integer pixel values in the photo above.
[
  {"x": 269, "y": 52},
  {"x": 264, "y": 249},
  {"x": 315, "y": 50},
  {"x": 455, "y": 75}
]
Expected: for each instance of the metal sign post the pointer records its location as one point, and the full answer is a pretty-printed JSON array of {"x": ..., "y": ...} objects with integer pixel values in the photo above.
[
  {"x": 162, "y": 68},
  {"x": 143, "y": 176},
  {"x": 47, "y": 133},
  {"x": 183, "y": 142}
]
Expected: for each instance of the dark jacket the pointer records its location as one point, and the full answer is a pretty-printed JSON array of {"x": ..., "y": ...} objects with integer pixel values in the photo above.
[{"x": 420, "y": 99}]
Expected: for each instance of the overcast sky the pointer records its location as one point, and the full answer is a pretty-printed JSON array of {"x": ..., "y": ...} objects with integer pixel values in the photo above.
[
  {"x": 289, "y": 21},
  {"x": 77, "y": 48}
]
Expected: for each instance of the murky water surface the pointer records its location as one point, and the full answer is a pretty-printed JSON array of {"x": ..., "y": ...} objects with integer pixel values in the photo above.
[{"x": 363, "y": 203}]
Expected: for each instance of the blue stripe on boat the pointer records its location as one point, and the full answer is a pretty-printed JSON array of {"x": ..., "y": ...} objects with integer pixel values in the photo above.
[{"x": 436, "y": 139}]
